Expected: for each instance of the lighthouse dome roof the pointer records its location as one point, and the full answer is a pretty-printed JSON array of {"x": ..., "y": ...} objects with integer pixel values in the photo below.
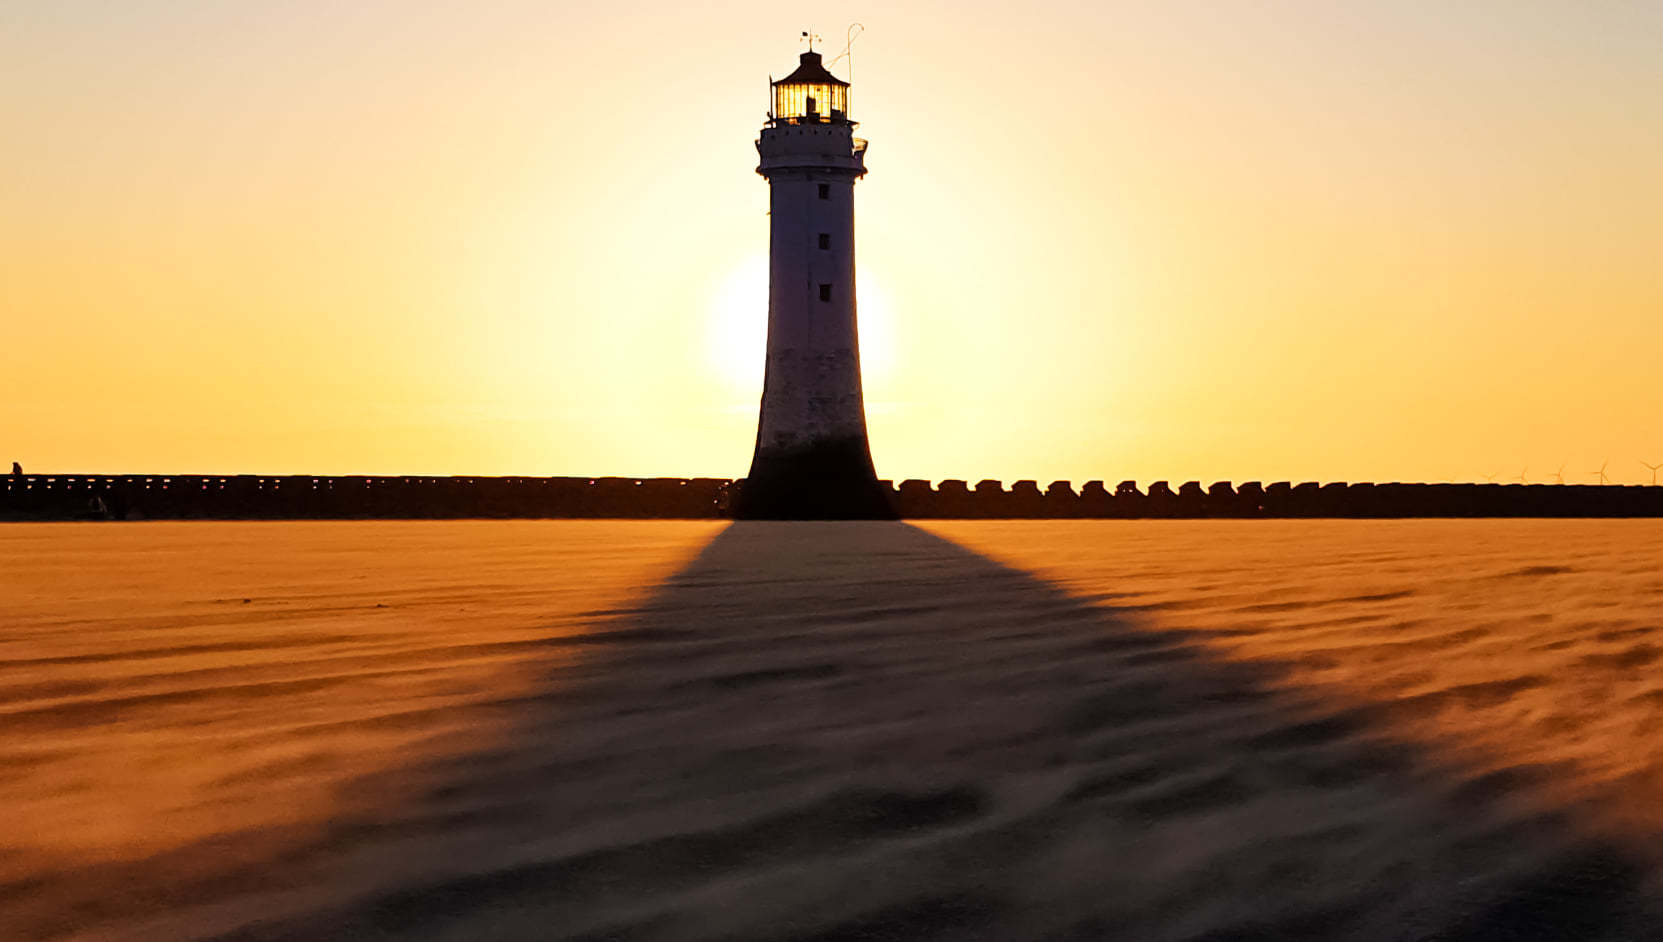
[{"x": 811, "y": 72}]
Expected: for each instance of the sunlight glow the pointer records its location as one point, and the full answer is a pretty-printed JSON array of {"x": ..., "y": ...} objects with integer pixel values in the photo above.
[
  {"x": 738, "y": 337},
  {"x": 1407, "y": 241},
  {"x": 737, "y": 340}
]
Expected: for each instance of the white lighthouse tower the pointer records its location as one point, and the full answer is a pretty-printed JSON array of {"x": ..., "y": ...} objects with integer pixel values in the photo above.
[{"x": 812, "y": 459}]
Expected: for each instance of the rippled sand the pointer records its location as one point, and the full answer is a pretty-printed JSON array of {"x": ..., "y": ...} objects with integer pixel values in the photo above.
[{"x": 1155, "y": 730}]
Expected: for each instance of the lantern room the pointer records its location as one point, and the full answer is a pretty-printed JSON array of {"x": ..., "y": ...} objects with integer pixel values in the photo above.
[{"x": 810, "y": 95}]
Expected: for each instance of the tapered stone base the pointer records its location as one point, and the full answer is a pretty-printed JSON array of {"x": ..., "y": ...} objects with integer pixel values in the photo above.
[{"x": 827, "y": 481}]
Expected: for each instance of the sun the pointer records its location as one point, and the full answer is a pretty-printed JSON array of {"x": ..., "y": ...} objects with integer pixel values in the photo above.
[
  {"x": 738, "y": 332},
  {"x": 738, "y": 335}
]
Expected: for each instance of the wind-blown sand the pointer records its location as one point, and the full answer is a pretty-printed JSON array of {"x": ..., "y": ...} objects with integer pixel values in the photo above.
[{"x": 1159, "y": 730}]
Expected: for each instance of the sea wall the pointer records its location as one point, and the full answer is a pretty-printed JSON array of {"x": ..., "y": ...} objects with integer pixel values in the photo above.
[
  {"x": 917, "y": 500},
  {"x": 256, "y": 497}
]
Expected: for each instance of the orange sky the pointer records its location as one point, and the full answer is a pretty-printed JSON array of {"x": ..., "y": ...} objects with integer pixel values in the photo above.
[{"x": 1408, "y": 241}]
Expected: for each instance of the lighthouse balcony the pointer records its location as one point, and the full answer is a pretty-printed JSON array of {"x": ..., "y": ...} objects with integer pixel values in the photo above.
[
  {"x": 837, "y": 118},
  {"x": 825, "y": 147}
]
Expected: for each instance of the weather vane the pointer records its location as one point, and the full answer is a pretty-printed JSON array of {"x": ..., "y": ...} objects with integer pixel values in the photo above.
[{"x": 812, "y": 37}]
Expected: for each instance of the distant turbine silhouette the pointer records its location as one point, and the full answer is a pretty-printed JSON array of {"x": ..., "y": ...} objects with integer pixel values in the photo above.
[
  {"x": 1603, "y": 480},
  {"x": 1521, "y": 478},
  {"x": 1559, "y": 476},
  {"x": 1653, "y": 468},
  {"x": 1491, "y": 477}
]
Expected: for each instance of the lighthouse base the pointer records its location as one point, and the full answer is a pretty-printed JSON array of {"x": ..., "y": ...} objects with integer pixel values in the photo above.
[{"x": 825, "y": 481}]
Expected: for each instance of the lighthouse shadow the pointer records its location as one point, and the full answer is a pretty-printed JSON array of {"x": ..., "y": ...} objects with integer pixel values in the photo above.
[{"x": 843, "y": 731}]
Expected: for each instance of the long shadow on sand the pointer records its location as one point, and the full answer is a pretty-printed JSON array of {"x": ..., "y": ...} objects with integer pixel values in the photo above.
[{"x": 862, "y": 731}]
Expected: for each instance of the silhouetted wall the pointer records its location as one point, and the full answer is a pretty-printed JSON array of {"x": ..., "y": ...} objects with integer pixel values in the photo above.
[{"x": 255, "y": 497}]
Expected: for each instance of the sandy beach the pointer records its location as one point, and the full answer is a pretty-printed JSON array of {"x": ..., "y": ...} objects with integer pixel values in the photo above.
[{"x": 1151, "y": 730}]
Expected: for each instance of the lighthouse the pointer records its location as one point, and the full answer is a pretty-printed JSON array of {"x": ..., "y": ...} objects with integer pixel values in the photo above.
[{"x": 812, "y": 459}]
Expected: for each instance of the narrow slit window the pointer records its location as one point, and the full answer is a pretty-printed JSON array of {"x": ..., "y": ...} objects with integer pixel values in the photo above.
[
  {"x": 825, "y": 191},
  {"x": 825, "y": 292},
  {"x": 825, "y": 240}
]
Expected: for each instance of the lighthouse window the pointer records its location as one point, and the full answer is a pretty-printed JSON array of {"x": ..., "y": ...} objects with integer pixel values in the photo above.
[
  {"x": 825, "y": 191},
  {"x": 825, "y": 240},
  {"x": 825, "y": 292}
]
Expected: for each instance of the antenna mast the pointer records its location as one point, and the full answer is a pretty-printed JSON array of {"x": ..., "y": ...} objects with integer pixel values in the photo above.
[{"x": 855, "y": 29}]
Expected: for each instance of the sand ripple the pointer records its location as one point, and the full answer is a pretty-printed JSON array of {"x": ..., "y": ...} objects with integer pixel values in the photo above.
[{"x": 1156, "y": 730}]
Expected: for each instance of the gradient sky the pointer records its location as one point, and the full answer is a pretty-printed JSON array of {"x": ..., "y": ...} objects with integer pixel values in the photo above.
[{"x": 1219, "y": 240}]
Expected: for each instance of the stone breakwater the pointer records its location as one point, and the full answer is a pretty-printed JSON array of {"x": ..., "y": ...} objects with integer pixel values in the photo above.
[{"x": 261, "y": 497}]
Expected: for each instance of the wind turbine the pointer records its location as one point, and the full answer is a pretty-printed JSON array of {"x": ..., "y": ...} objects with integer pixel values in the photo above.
[
  {"x": 1603, "y": 480},
  {"x": 1521, "y": 478},
  {"x": 1559, "y": 476},
  {"x": 1653, "y": 468},
  {"x": 1491, "y": 477}
]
